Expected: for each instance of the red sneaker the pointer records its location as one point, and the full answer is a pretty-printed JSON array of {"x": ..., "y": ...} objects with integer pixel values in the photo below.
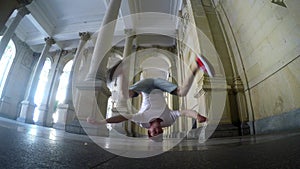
[{"x": 204, "y": 65}]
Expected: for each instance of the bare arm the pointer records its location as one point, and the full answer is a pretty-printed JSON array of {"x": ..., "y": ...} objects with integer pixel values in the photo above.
[
  {"x": 193, "y": 114},
  {"x": 118, "y": 118}
]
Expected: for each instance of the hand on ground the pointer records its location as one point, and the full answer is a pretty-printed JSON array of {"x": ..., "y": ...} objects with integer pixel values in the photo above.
[{"x": 201, "y": 118}]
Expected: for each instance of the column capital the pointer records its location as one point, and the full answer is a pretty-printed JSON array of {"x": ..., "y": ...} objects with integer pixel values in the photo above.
[
  {"x": 64, "y": 52},
  {"x": 49, "y": 41},
  {"x": 85, "y": 36},
  {"x": 24, "y": 2},
  {"x": 180, "y": 13},
  {"x": 129, "y": 32},
  {"x": 23, "y": 11},
  {"x": 207, "y": 84},
  {"x": 238, "y": 84}
]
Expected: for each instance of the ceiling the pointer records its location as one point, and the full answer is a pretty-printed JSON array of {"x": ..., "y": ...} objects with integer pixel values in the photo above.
[{"x": 64, "y": 19}]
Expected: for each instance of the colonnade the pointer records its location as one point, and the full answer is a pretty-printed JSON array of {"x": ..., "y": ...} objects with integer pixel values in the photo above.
[
  {"x": 92, "y": 91},
  {"x": 28, "y": 106},
  {"x": 66, "y": 111}
]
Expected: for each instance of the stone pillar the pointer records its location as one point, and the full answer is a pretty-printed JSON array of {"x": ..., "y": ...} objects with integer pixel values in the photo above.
[
  {"x": 211, "y": 95},
  {"x": 128, "y": 42},
  {"x": 87, "y": 106},
  {"x": 87, "y": 103},
  {"x": 122, "y": 86},
  {"x": 66, "y": 111},
  {"x": 238, "y": 89},
  {"x": 27, "y": 110},
  {"x": 91, "y": 103},
  {"x": 123, "y": 79},
  {"x": 84, "y": 37},
  {"x": 203, "y": 14},
  {"x": 11, "y": 29},
  {"x": 104, "y": 40},
  {"x": 43, "y": 118},
  {"x": 54, "y": 88}
]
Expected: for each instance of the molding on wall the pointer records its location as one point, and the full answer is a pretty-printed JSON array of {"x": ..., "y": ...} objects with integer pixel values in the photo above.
[{"x": 281, "y": 64}]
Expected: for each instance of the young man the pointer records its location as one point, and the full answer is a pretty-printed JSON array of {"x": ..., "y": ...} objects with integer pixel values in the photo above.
[{"x": 155, "y": 114}]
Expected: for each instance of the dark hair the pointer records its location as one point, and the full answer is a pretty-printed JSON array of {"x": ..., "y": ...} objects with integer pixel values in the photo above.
[{"x": 110, "y": 72}]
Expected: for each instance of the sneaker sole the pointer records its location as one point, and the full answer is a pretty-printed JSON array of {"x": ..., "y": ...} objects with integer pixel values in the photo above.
[{"x": 208, "y": 67}]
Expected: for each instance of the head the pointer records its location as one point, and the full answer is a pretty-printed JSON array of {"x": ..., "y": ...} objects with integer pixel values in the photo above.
[{"x": 155, "y": 130}]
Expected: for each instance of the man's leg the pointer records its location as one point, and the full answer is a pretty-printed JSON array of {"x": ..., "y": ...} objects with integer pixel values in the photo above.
[
  {"x": 202, "y": 64},
  {"x": 193, "y": 114},
  {"x": 184, "y": 89}
]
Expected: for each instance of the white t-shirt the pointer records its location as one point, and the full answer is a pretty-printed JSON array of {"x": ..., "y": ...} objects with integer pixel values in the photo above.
[{"x": 154, "y": 106}]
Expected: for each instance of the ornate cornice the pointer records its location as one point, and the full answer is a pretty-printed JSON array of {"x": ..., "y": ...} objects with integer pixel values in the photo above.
[
  {"x": 24, "y": 2},
  {"x": 84, "y": 36},
  {"x": 49, "y": 41},
  {"x": 23, "y": 11}
]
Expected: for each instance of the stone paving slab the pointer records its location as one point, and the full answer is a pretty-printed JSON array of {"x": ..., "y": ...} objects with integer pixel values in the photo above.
[{"x": 29, "y": 146}]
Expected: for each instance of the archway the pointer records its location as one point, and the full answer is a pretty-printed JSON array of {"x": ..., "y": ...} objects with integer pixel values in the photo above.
[
  {"x": 39, "y": 94},
  {"x": 6, "y": 62},
  {"x": 62, "y": 87}
]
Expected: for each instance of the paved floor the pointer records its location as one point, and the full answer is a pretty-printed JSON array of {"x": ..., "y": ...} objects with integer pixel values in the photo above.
[{"x": 30, "y": 146}]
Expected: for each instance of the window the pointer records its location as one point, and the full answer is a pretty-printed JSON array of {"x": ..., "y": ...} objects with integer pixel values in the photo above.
[
  {"x": 6, "y": 62},
  {"x": 39, "y": 94},
  {"x": 63, "y": 83},
  {"x": 62, "y": 87}
]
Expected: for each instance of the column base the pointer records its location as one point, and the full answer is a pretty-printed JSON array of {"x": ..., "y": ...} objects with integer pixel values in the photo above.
[
  {"x": 222, "y": 130},
  {"x": 27, "y": 110},
  {"x": 43, "y": 119},
  {"x": 65, "y": 113},
  {"x": 5, "y": 108},
  {"x": 89, "y": 106},
  {"x": 59, "y": 126},
  {"x": 226, "y": 130}
]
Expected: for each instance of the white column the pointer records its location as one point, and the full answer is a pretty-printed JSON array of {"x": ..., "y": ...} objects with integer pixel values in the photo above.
[
  {"x": 66, "y": 111},
  {"x": 128, "y": 42},
  {"x": 239, "y": 91},
  {"x": 84, "y": 37},
  {"x": 123, "y": 79},
  {"x": 122, "y": 86},
  {"x": 99, "y": 62},
  {"x": 28, "y": 105},
  {"x": 11, "y": 29},
  {"x": 44, "y": 107},
  {"x": 104, "y": 40}
]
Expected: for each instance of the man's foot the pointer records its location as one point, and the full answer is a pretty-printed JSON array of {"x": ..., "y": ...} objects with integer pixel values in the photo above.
[
  {"x": 201, "y": 119},
  {"x": 205, "y": 66}
]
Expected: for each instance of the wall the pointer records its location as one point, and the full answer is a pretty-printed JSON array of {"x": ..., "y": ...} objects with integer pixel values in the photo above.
[
  {"x": 265, "y": 42},
  {"x": 17, "y": 80}
]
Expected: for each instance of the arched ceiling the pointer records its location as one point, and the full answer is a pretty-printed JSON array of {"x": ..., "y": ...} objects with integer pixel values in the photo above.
[{"x": 64, "y": 19}]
